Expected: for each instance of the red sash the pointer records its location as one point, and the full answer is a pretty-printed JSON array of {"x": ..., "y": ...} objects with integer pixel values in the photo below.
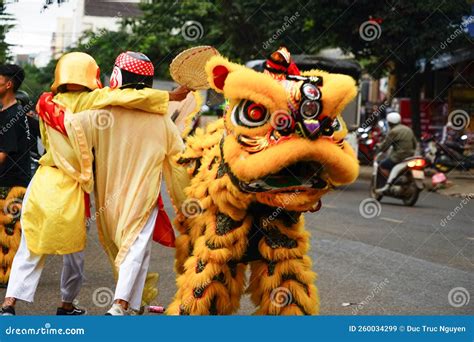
[
  {"x": 51, "y": 113},
  {"x": 163, "y": 232}
]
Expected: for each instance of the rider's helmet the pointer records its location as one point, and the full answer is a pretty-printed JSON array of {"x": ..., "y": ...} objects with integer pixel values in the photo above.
[
  {"x": 23, "y": 97},
  {"x": 132, "y": 70},
  {"x": 394, "y": 118},
  {"x": 76, "y": 68}
]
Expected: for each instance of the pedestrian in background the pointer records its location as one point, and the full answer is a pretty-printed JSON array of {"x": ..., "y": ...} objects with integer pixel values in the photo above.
[{"x": 15, "y": 168}]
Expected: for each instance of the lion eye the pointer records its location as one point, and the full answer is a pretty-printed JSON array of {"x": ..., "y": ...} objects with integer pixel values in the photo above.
[
  {"x": 250, "y": 114},
  {"x": 311, "y": 91},
  {"x": 310, "y": 109},
  {"x": 310, "y": 106},
  {"x": 256, "y": 112}
]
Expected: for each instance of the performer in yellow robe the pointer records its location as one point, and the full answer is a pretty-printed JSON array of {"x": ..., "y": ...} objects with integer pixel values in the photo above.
[
  {"x": 131, "y": 155},
  {"x": 54, "y": 210}
]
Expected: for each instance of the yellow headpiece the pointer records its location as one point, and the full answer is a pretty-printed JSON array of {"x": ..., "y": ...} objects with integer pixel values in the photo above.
[{"x": 76, "y": 68}]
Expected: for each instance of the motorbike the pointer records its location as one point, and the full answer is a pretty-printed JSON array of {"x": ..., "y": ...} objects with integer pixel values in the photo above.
[
  {"x": 405, "y": 181},
  {"x": 34, "y": 162},
  {"x": 366, "y": 145},
  {"x": 448, "y": 156},
  {"x": 368, "y": 137}
]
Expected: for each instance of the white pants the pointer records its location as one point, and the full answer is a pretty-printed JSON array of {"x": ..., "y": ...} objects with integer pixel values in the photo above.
[
  {"x": 134, "y": 268},
  {"x": 26, "y": 273},
  {"x": 27, "y": 267}
]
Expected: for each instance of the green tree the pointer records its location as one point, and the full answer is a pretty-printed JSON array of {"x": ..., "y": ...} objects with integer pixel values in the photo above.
[
  {"x": 5, "y": 25},
  {"x": 405, "y": 31},
  {"x": 393, "y": 37},
  {"x": 386, "y": 36},
  {"x": 37, "y": 80},
  {"x": 238, "y": 29},
  {"x": 104, "y": 46}
]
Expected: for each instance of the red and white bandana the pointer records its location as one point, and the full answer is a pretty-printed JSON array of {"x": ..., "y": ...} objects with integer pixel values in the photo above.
[{"x": 128, "y": 62}]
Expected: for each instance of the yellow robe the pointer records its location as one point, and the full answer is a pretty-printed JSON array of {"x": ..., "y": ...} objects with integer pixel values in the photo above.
[
  {"x": 53, "y": 217},
  {"x": 130, "y": 157}
]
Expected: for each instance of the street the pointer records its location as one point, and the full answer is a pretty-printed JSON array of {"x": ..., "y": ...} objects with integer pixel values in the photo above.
[{"x": 402, "y": 261}]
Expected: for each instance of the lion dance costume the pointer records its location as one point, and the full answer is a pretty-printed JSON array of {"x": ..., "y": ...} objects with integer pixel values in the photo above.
[
  {"x": 10, "y": 228},
  {"x": 278, "y": 149}
]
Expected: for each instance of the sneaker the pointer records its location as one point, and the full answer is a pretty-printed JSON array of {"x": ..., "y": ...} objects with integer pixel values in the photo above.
[
  {"x": 117, "y": 310},
  {"x": 7, "y": 311},
  {"x": 75, "y": 311}
]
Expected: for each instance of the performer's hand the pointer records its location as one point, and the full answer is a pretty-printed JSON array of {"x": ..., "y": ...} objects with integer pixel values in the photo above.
[{"x": 179, "y": 94}]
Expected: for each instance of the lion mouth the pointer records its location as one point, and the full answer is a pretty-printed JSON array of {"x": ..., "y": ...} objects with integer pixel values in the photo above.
[{"x": 298, "y": 176}]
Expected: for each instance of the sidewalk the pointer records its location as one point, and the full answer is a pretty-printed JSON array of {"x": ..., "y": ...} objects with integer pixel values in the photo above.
[{"x": 459, "y": 184}]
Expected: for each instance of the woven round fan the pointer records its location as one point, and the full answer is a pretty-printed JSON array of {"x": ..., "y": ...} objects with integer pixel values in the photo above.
[{"x": 188, "y": 68}]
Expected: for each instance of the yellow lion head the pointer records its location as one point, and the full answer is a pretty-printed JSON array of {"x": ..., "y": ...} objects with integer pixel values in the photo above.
[{"x": 284, "y": 140}]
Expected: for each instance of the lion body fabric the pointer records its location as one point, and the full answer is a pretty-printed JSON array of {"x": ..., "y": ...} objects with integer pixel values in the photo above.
[
  {"x": 10, "y": 228},
  {"x": 251, "y": 181}
]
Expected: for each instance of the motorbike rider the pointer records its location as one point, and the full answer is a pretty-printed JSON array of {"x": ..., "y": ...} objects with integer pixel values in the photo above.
[
  {"x": 403, "y": 141},
  {"x": 451, "y": 138}
]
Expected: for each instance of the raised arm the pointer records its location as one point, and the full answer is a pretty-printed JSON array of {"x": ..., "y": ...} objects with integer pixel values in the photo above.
[
  {"x": 146, "y": 99},
  {"x": 176, "y": 176}
]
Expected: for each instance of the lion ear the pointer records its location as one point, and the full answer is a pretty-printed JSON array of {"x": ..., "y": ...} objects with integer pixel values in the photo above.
[{"x": 217, "y": 69}]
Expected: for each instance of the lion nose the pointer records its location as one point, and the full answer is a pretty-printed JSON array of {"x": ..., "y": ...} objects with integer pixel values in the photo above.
[{"x": 312, "y": 126}]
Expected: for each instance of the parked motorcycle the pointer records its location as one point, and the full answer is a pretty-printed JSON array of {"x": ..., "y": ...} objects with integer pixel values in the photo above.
[
  {"x": 368, "y": 137},
  {"x": 448, "y": 156},
  {"x": 405, "y": 181},
  {"x": 34, "y": 162}
]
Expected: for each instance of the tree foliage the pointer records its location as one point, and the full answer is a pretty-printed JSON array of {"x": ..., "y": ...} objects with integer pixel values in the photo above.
[
  {"x": 37, "y": 80},
  {"x": 5, "y": 25},
  {"x": 386, "y": 36},
  {"x": 405, "y": 32},
  {"x": 104, "y": 46}
]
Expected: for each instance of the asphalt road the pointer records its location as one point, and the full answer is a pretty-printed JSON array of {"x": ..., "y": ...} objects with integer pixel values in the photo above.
[{"x": 401, "y": 261}]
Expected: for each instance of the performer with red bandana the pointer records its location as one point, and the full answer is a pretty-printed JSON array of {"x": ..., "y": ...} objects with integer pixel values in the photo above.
[
  {"x": 131, "y": 156},
  {"x": 54, "y": 213}
]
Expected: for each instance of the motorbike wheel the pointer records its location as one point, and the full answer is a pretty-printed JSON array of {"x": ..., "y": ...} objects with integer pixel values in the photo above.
[
  {"x": 413, "y": 197},
  {"x": 373, "y": 194}
]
